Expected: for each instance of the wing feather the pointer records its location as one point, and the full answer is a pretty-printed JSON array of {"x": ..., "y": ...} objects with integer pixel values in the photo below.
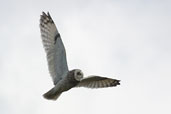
[
  {"x": 98, "y": 82},
  {"x": 54, "y": 48}
]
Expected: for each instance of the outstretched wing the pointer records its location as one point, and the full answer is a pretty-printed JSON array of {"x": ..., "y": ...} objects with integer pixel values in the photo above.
[
  {"x": 55, "y": 50},
  {"x": 98, "y": 82}
]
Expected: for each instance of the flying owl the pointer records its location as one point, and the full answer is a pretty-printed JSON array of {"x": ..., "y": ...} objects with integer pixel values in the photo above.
[{"x": 63, "y": 79}]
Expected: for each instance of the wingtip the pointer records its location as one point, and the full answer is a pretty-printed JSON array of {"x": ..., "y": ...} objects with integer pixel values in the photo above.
[
  {"x": 43, "y": 13},
  {"x": 48, "y": 13},
  {"x": 119, "y": 82},
  {"x": 116, "y": 82},
  {"x": 46, "y": 16}
]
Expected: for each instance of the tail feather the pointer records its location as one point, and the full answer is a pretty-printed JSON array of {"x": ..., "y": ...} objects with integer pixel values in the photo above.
[{"x": 52, "y": 94}]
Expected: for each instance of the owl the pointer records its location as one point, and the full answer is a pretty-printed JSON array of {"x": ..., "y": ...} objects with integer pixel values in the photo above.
[{"x": 63, "y": 78}]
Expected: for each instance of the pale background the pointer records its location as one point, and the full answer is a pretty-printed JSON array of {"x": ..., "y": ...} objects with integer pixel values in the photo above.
[{"x": 124, "y": 39}]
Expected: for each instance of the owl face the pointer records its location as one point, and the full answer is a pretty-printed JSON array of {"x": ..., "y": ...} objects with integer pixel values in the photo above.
[{"x": 78, "y": 74}]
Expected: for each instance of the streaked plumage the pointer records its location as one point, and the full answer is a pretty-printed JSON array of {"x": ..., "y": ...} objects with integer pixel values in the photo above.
[{"x": 64, "y": 79}]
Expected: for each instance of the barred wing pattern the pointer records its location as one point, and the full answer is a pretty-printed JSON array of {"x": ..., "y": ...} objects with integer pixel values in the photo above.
[
  {"x": 98, "y": 82},
  {"x": 55, "y": 50}
]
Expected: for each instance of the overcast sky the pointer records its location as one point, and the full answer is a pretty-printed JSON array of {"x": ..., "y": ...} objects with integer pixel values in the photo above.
[{"x": 123, "y": 39}]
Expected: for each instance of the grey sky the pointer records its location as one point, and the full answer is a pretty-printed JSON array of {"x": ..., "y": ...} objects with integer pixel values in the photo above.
[{"x": 127, "y": 40}]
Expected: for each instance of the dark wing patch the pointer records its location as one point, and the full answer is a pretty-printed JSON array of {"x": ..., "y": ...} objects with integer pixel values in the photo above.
[{"x": 57, "y": 36}]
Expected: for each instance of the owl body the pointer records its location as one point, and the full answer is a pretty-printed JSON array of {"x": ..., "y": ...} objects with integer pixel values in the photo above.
[
  {"x": 65, "y": 84},
  {"x": 68, "y": 82}
]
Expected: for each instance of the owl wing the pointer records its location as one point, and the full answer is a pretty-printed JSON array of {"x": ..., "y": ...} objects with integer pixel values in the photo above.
[
  {"x": 55, "y": 50},
  {"x": 98, "y": 82}
]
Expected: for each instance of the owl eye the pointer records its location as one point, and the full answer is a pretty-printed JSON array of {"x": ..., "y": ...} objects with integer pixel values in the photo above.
[{"x": 78, "y": 73}]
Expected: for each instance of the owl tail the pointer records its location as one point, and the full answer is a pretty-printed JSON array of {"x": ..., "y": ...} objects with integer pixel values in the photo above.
[{"x": 52, "y": 94}]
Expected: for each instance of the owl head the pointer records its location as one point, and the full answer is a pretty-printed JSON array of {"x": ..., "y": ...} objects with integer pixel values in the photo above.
[{"x": 78, "y": 74}]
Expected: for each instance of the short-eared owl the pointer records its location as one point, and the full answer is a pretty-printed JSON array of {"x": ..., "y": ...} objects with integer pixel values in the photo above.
[{"x": 64, "y": 79}]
